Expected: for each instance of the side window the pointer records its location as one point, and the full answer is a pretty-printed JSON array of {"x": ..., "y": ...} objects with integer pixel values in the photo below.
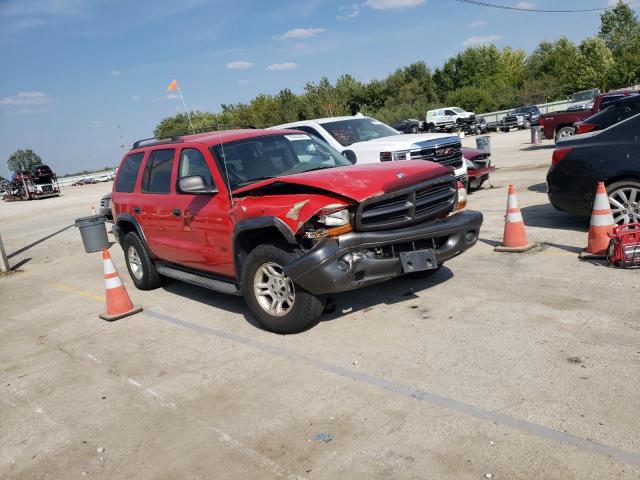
[
  {"x": 309, "y": 130},
  {"x": 449, "y": 112},
  {"x": 128, "y": 173},
  {"x": 157, "y": 173},
  {"x": 192, "y": 162}
]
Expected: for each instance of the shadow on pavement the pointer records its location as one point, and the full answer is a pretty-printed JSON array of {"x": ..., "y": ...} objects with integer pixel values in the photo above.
[
  {"x": 395, "y": 291},
  {"x": 545, "y": 216},
  {"x": 538, "y": 147},
  {"x": 31, "y": 245}
]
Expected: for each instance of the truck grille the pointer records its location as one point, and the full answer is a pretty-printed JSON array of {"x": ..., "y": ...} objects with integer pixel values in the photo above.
[
  {"x": 47, "y": 188},
  {"x": 449, "y": 155},
  {"x": 418, "y": 203}
]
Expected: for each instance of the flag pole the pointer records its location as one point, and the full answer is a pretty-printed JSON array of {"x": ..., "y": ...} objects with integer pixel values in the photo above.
[{"x": 183, "y": 104}]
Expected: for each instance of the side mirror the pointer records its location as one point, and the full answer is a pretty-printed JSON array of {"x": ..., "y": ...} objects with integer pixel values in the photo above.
[
  {"x": 195, "y": 185},
  {"x": 350, "y": 155}
]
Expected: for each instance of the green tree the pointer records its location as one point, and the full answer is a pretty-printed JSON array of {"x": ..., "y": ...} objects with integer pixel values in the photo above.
[
  {"x": 620, "y": 31},
  {"x": 23, "y": 160},
  {"x": 595, "y": 66},
  {"x": 179, "y": 124}
]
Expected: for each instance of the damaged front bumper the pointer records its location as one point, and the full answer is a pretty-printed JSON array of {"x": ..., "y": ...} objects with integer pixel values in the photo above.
[{"x": 358, "y": 259}]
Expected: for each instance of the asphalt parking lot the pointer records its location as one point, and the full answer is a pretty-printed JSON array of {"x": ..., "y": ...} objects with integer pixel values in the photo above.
[{"x": 516, "y": 366}]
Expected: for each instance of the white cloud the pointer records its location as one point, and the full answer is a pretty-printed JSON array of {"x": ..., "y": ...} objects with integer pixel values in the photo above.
[
  {"x": 172, "y": 96},
  {"x": 282, "y": 66},
  {"x": 97, "y": 123},
  {"x": 135, "y": 97},
  {"x": 525, "y": 5},
  {"x": 115, "y": 73},
  {"x": 239, "y": 65},
  {"x": 481, "y": 40},
  {"x": 26, "y": 99},
  {"x": 18, "y": 15},
  {"x": 298, "y": 33},
  {"x": 478, "y": 24},
  {"x": 350, "y": 11},
  {"x": 392, "y": 4}
]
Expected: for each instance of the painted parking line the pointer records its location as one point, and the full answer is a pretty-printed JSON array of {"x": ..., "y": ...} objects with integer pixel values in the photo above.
[{"x": 631, "y": 458}]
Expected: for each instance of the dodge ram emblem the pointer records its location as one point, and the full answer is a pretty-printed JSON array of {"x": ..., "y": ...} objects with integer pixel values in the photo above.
[{"x": 400, "y": 175}]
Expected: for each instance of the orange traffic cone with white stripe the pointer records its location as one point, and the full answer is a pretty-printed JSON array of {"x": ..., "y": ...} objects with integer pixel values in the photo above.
[
  {"x": 600, "y": 227},
  {"x": 515, "y": 236},
  {"x": 118, "y": 302}
]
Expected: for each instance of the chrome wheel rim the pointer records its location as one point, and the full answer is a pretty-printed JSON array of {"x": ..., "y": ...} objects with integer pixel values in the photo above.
[
  {"x": 566, "y": 133},
  {"x": 273, "y": 290},
  {"x": 625, "y": 205},
  {"x": 134, "y": 262}
]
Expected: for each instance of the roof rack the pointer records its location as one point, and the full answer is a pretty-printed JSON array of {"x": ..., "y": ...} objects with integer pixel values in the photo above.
[{"x": 147, "y": 142}]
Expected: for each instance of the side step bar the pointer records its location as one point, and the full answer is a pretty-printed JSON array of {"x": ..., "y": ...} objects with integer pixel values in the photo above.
[{"x": 201, "y": 280}]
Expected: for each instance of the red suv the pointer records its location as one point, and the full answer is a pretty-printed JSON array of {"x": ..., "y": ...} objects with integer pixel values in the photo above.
[{"x": 280, "y": 217}]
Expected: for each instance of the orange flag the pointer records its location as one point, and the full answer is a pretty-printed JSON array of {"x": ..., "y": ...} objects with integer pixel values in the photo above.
[{"x": 172, "y": 86}]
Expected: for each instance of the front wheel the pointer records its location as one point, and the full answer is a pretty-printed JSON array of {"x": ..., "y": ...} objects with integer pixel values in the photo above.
[
  {"x": 274, "y": 300},
  {"x": 141, "y": 268},
  {"x": 624, "y": 198},
  {"x": 527, "y": 124}
]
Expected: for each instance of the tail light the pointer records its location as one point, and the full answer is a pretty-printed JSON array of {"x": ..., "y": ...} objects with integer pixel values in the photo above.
[
  {"x": 585, "y": 128},
  {"x": 541, "y": 122},
  {"x": 559, "y": 154},
  {"x": 461, "y": 201}
]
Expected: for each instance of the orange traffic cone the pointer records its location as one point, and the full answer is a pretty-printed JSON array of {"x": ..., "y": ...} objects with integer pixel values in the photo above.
[
  {"x": 601, "y": 225},
  {"x": 118, "y": 302},
  {"x": 515, "y": 237}
]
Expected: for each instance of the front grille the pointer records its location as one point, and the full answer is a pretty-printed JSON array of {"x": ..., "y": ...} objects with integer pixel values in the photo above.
[
  {"x": 449, "y": 155},
  {"x": 47, "y": 188},
  {"x": 418, "y": 203}
]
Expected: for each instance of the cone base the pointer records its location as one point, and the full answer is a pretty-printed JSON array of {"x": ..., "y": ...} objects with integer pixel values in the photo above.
[
  {"x": 526, "y": 248},
  {"x": 111, "y": 318},
  {"x": 584, "y": 255}
]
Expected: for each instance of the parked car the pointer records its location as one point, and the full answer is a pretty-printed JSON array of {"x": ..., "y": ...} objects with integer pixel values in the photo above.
[
  {"x": 481, "y": 126},
  {"x": 616, "y": 112},
  {"x": 559, "y": 125},
  {"x": 448, "y": 119},
  {"x": 611, "y": 155},
  {"x": 42, "y": 173},
  {"x": 366, "y": 140},
  {"x": 521, "y": 118},
  {"x": 478, "y": 166},
  {"x": 410, "y": 125},
  {"x": 105, "y": 207},
  {"x": 282, "y": 218}
]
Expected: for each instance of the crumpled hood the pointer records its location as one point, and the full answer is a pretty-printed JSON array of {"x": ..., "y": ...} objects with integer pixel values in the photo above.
[
  {"x": 360, "y": 182},
  {"x": 402, "y": 142}
]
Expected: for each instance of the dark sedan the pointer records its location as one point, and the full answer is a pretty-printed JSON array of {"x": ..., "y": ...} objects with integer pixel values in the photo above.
[
  {"x": 616, "y": 112},
  {"x": 410, "y": 125},
  {"x": 611, "y": 155}
]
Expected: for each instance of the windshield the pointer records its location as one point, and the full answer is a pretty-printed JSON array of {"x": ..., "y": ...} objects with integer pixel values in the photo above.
[
  {"x": 271, "y": 156},
  {"x": 458, "y": 110},
  {"x": 355, "y": 130},
  {"x": 585, "y": 96}
]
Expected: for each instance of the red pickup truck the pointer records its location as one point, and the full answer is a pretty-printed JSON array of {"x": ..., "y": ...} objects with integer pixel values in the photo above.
[
  {"x": 558, "y": 125},
  {"x": 282, "y": 218}
]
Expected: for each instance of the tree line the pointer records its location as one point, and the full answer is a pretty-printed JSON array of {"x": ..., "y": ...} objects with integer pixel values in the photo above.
[{"x": 480, "y": 79}]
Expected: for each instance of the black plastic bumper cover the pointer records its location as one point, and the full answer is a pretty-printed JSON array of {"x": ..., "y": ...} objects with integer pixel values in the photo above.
[{"x": 319, "y": 273}]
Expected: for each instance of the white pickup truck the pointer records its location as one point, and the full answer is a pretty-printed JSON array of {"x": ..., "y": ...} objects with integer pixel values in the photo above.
[
  {"x": 366, "y": 140},
  {"x": 448, "y": 118}
]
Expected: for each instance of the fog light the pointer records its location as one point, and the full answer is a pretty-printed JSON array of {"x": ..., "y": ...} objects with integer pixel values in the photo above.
[{"x": 470, "y": 236}]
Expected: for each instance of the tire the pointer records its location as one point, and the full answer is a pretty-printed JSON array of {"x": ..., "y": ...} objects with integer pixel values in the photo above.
[
  {"x": 422, "y": 274},
  {"x": 565, "y": 132},
  {"x": 414, "y": 129},
  {"x": 299, "y": 310},
  {"x": 431, "y": 127},
  {"x": 141, "y": 268},
  {"x": 527, "y": 124},
  {"x": 630, "y": 211}
]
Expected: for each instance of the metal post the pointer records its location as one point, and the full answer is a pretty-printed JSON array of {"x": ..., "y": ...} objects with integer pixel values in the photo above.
[{"x": 4, "y": 261}]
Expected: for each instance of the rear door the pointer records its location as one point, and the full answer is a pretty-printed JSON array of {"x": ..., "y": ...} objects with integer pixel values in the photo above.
[
  {"x": 198, "y": 230},
  {"x": 155, "y": 200}
]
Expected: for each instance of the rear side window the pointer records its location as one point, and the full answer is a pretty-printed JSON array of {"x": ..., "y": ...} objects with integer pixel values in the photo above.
[
  {"x": 128, "y": 173},
  {"x": 192, "y": 162},
  {"x": 157, "y": 173}
]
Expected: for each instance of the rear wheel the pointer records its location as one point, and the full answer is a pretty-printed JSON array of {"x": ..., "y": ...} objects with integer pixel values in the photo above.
[
  {"x": 414, "y": 129},
  {"x": 565, "y": 132},
  {"x": 141, "y": 268},
  {"x": 274, "y": 300},
  {"x": 624, "y": 198}
]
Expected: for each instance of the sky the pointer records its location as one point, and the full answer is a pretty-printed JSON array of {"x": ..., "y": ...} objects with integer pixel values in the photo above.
[{"x": 72, "y": 71}]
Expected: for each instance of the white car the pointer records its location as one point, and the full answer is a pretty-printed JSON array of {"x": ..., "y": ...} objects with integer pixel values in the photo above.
[
  {"x": 448, "y": 118},
  {"x": 366, "y": 140}
]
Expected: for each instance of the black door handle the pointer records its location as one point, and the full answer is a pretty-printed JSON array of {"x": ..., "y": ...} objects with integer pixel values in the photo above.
[
  {"x": 136, "y": 209},
  {"x": 176, "y": 212}
]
